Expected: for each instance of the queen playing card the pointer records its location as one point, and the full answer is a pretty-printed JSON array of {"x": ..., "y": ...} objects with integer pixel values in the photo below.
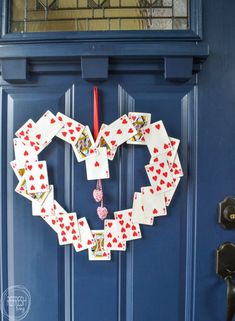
[
  {"x": 139, "y": 120},
  {"x": 85, "y": 145},
  {"x": 139, "y": 215}
]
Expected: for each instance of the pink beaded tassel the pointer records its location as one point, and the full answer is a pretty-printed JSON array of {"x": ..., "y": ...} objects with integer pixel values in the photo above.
[{"x": 98, "y": 196}]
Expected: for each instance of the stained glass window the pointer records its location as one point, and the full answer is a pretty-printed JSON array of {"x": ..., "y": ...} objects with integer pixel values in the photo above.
[{"x": 98, "y": 15}]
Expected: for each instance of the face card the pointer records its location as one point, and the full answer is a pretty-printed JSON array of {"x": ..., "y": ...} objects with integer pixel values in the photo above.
[
  {"x": 119, "y": 132},
  {"x": 18, "y": 169},
  {"x": 36, "y": 177},
  {"x": 97, "y": 252},
  {"x": 101, "y": 142},
  {"x": 139, "y": 120},
  {"x": 67, "y": 229},
  {"x": 169, "y": 194},
  {"x": 86, "y": 238},
  {"x": 112, "y": 236},
  {"x": 156, "y": 138},
  {"x": 139, "y": 215},
  {"x": 153, "y": 203},
  {"x": 97, "y": 166},
  {"x": 159, "y": 174},
  {"x": 129, "y": 229},
  {"x": 176, "y": 168},
  {"x": 47, "y": 208},
  {"x": 71, "y": 130},
  {"x": 21, "y": 189},
  {"x": 85, "y": 145},
  {"x": 23, "y": 154},
  {"x": 45, "y": 129}
]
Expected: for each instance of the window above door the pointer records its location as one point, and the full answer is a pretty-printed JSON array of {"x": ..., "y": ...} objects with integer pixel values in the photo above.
[{"x": 98, "y": 15}]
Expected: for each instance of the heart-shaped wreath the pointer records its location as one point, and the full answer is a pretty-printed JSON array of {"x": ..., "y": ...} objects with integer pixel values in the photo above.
[{"x": 164, "y": 172}]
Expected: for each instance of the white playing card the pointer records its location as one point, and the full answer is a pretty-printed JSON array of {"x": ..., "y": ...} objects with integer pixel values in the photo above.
[
  {"x": 86, "y": 238},
  {"x": 18, "y": 169},
  {"x": 129, "y": 229},
  {"x": 71, "y": 130},
  {"x": 52, "y": 220},
  {"x": 21, "y": 189},
  {"x": 101, "y": 142},
  {"x": 138, "y": 215},
  {"x": 153, "y": 202},
  {"x": 23, "y": 131},
  {"x": 159, "y": 174},
  {"x": 85, "y": 145},
  {"x": 47, "y": 208},
  {"x": 156, "y": 138},
  {"x": 67, "y": 229},
  {"x": 23, "y": 154},
  {"x": 97, "y": 252},
  {"x": 176, "y": 168},
  {"x": 171, "y": 154},
  {"x": 119, "y": 132},
  {"x": 139, "y": 120},
  {"x": 169, "y": 194},
  {"x": 45, "y": 128},
  {"x": 97, "y": 166},
  {"x": 112, "y": 236},
  {"x": 36, "y": 177}
]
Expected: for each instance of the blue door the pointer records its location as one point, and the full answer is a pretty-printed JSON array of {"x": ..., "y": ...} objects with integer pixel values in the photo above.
[{"x": 170, "y": 274}]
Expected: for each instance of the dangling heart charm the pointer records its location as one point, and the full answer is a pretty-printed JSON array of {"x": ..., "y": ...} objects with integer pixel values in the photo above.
[
  {"x": 98, "y": 195},
  {"x": 102, "y": 212}
]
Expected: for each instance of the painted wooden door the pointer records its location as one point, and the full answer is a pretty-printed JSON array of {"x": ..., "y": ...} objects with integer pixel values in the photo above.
[{"x": 169, "y": 275}]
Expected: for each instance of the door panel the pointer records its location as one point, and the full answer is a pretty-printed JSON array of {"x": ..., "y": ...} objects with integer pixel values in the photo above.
[{"x": 154, "y": 278}]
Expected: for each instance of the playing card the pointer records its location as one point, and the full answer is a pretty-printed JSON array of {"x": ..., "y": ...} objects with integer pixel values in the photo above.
[
  {"x": 86, "y": 238},
  {"x": 18, "y": 169},
  {"x": 138, "y": 214},
  {"x": 45, "y": 129},
  {"x": 21, "y": 189},
  {"x": 171, "y": 154},
  {"x": 153, "y": 202},
  {"x": 101, "y": 142},
  {"x": 169, "y": 194},
  {"x": 156, "y": 138},
  {"x": 159, "y": 174},
  {"x": 52, "y": 220},
  {"x": 97, "y": 252},
  {"x": 23, "y": 154},
  {"x": 112, "y": 236},
  {"x": 67, "y": 229},
  {"x": 129, "y": 229},
  {"x": 97, "y": 166},
  {"x": 85, "y": 145},
  {"x": 24, "y": 134},
  {"x": 71, "y": 130},
  {"x": 36, "y": 177},
  {"x": 47, "y": 208},
  {"x": 139, "y": 120},
  {"x": 176, "y": 168},
  {"x": 119, "y": 132},
  {"x": 23, "y": 131}
]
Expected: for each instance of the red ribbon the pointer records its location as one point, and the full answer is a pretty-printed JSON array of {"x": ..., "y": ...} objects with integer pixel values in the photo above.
[{"x": 96, "y": 112}]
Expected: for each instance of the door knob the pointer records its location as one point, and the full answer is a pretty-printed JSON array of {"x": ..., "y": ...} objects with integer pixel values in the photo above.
[
  {"x": 227, "y": 212},
  {"x": 225, "y": 267}
]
